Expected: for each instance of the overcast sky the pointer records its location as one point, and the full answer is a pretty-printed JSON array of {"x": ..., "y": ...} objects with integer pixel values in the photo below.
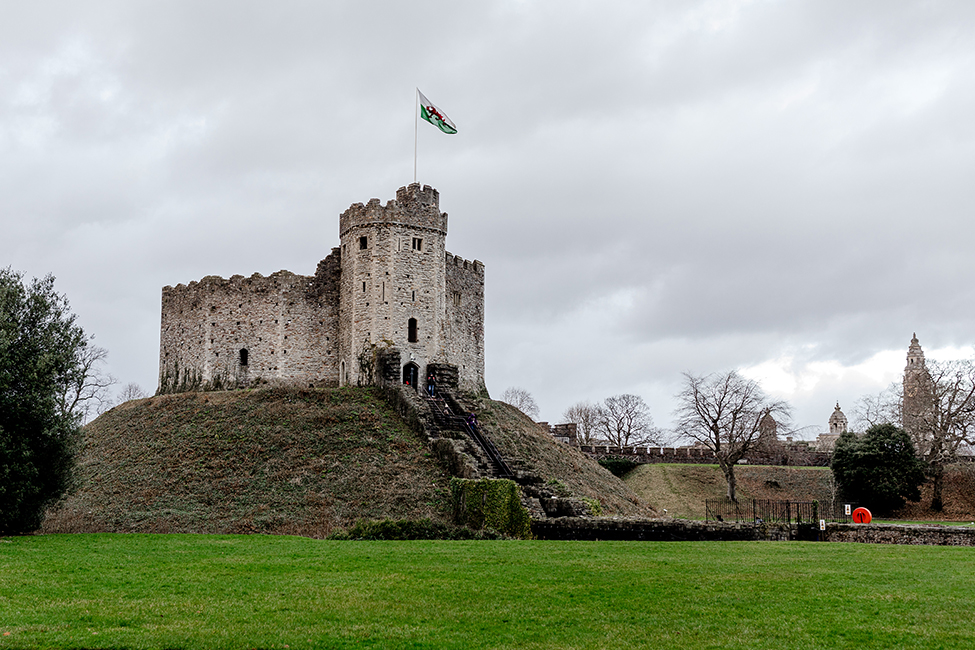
[{"x": 784, "y": 188}]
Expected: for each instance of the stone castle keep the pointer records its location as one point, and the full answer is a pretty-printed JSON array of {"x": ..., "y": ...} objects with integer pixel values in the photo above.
[{"x": 389, "y": 303}]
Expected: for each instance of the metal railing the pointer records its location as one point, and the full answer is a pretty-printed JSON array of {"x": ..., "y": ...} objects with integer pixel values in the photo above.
[
  {"x": 445, "y": 417},
  {"x": 759, "y": 511}
]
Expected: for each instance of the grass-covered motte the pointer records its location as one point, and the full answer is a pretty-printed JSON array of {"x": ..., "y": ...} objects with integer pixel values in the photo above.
[
  {"x": 182, "y": 591},
  {"x": 304, "y": 462}
]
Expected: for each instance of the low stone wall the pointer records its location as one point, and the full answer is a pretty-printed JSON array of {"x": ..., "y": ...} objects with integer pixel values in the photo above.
[
  {"x": 685, "y": 530},
  {"x": 900, "y": 534},
  {"x": 662, "y": 530}
]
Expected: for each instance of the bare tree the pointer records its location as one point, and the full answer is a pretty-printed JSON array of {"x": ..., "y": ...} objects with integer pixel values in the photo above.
[
  {"x": 939, "y": 428},
  {"x": 130, "y": 392},
  {"x": 624, "y": 420},
  {"x": 882, "y": 408},
  {"x": 84, "y": 391},
  {"x": 586, "y": 416},
  {"x": 724, "y": 412},
  {"x": 522, "y": 400}
]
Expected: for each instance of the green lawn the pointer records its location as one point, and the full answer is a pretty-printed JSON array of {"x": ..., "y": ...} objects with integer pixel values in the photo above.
[{"x": 186, "y": 591}]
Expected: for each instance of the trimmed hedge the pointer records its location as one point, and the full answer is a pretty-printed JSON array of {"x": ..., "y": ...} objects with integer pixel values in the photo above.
[
  {"x": 490, "y": 503},
  {"x": 408, "y": 529}
]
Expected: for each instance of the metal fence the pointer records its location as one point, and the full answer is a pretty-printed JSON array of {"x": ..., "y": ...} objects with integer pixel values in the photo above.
[
  {"x": 776, "y": 512},
  {"x": 762, "y": 511}
]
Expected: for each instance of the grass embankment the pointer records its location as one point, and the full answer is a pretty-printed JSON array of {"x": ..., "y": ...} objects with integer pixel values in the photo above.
[
  {"x": 682, "y": 489},
  {"x": 184, "y": 591},
  {"x": 275, "y": 460}
]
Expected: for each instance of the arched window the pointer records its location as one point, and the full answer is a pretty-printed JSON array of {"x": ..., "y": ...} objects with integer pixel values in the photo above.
[
  {"x": 243, "y": 357},
  {"x": 411, "y": 337}
]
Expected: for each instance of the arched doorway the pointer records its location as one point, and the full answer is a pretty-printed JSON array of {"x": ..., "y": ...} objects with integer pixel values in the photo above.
[{"x": 411, "y": 375}]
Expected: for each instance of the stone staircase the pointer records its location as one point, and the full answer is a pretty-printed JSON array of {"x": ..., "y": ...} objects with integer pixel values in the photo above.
[{"x": 468, "y": 451}]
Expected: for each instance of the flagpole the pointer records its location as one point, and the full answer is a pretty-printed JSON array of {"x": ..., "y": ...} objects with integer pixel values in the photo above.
[{"x": 416, "y": 122}]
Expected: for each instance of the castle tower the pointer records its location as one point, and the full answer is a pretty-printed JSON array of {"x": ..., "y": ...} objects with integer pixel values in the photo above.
[
  {"x": 837, "y": 421},
  {"x": 393, "y": 286},
  {"x": 918, "y": 391}
]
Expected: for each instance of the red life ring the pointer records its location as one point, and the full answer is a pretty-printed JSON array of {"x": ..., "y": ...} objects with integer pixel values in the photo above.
[{"x": 862, "y": 516}]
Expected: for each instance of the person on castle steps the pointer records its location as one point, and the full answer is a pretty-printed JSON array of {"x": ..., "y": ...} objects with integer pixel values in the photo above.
[
  {"x": 472, "y": 421},
  {"x": 432, "y": 385}
]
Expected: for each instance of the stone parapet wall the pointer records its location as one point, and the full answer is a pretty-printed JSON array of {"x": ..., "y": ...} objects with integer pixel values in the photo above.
[
  {"x": 464, "y": 323},
  {"x": 800, "y": 456}
]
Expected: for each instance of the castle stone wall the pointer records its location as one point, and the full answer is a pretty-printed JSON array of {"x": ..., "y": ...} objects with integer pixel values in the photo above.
[
  {"x": 287, "y": 324},
  {"x": 464, "y": 322}
]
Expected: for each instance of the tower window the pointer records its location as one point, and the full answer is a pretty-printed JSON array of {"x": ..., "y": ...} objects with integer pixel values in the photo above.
[
  {"x": 243, "y": 357},
  {"x": 411, "y": 328},
  {"x": 363, "y": 243},
  {"x": 363, "y": 287},
  {"x": 417, "y": 244}
]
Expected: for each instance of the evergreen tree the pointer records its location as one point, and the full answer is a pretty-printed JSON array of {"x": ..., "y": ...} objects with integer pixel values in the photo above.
[
  {"x": 879, "y": 469},
  {"x": 40, "y": 347}
]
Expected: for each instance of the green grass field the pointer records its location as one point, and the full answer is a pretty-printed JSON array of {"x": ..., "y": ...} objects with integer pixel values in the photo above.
[{"x": 196, "y": 591}]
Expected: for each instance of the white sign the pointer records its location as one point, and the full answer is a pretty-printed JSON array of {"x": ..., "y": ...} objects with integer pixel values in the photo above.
[
  {"x": 846, "y": 508},
  {"x": 822, "y": 524}
]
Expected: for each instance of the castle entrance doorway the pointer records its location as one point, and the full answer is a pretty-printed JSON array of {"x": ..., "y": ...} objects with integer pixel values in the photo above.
[{"x": 411, "y": 375}]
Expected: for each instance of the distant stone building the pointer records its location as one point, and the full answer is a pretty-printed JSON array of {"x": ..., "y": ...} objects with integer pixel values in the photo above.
[
  {"x": 837, "y": 426},
  {"x": 918, "y": 387},
  {"x": 389, "y": 303}
]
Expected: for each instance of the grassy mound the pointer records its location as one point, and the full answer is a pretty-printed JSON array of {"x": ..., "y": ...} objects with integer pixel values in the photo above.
[
  {"x": 290, "y": 461},
  {"x": 302, "y": 462}
]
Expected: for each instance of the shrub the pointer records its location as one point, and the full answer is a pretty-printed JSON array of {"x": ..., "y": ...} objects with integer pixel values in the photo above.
[
  {"x": 490, "y": 503},
  {"x": 595, "y": 507},
  {"x": 878, "y": 469},
  {"x": 410, "y": 529}
]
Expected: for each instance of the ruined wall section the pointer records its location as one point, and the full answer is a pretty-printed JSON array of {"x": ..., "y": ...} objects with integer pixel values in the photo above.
[
  {"x": 464, "y": 321},
  {"x": 392, "y": 271},
  {"x": 225, "y": 333}
]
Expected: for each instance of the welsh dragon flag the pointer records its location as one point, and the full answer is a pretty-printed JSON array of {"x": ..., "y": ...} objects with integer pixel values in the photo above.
[{"x": 434, "y": 115}]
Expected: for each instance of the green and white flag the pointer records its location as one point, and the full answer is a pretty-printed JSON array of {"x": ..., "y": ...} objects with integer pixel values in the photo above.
[{"x": 434, "y": 115}]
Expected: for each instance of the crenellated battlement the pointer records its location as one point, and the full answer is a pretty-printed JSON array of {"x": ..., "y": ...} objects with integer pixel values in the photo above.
[
  {"x": 413, "y": 206},
  {"x": 457, "y": 262}
]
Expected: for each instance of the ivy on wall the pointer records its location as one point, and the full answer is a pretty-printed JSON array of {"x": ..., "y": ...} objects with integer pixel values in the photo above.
[{"x": 490, "y": 503}]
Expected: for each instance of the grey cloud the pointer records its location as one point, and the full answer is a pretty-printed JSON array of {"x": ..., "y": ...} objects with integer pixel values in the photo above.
[{"x": 656, "y": 188}]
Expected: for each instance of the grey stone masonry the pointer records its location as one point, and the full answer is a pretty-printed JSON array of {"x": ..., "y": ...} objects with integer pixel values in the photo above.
[{"x": 389, "y": 304}]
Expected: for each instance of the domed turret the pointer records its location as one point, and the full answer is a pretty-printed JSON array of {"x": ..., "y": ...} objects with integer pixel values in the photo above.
[{"x": 837, "y": 421}]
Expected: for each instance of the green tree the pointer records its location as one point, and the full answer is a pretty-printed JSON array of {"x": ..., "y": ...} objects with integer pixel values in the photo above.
[
  {"x": 40, "y": 348},
  {"x": 879, "y": 469}
]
